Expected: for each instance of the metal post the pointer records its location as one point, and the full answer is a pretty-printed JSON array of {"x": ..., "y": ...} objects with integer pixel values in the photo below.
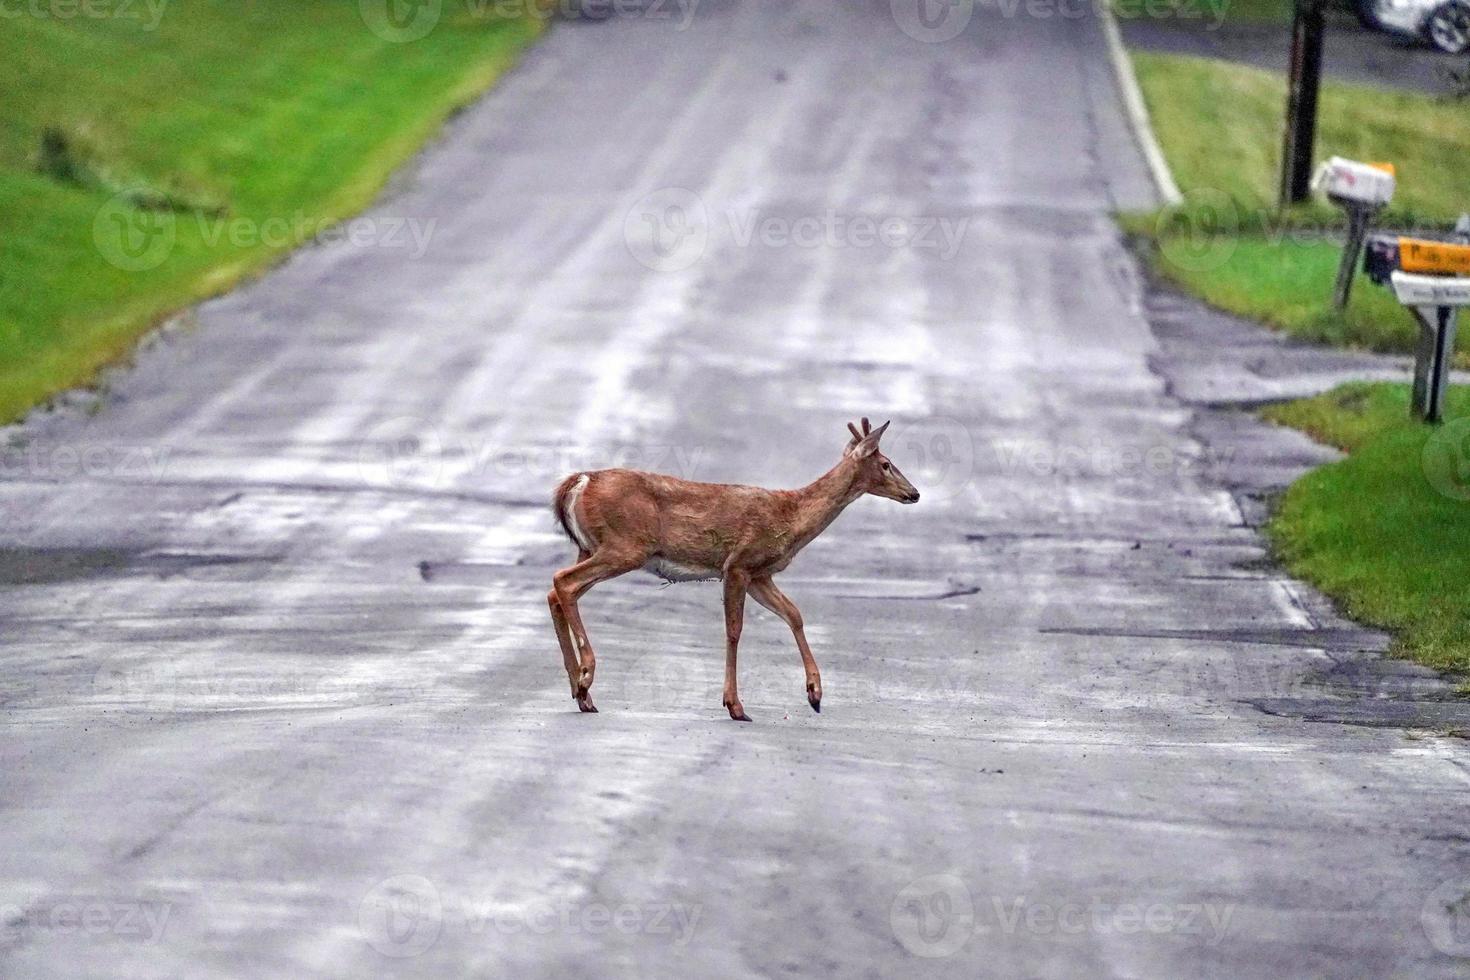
[
  {"x": 1359, "y": 218},
  {"x": 1303, "y": 82},
  {"x": 1432, "y": 360}
]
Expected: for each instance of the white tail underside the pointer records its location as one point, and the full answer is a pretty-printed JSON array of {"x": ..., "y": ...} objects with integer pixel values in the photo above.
[{"x": 574, "y": 497}]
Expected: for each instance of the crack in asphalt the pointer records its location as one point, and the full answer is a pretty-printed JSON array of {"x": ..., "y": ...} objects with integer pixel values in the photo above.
[{"x": 1342, "y": 639}]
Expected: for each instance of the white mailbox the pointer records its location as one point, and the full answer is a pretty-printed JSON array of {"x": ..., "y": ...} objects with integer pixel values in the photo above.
[
  {"x": 1416, "y": 290},
  {"x": 1434, "y": 301},
  {"x": 1360, "y": 183},
  {"x": 1362, "y": 190}
]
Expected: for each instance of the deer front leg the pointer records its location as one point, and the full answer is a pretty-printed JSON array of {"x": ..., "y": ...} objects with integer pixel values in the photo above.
[
  {"x": 735, "y": 585},
  {"x": 764, "y": 591}
]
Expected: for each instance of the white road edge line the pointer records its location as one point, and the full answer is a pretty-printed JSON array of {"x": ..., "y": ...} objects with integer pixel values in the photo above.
[{"x": 1143, "y": 130}]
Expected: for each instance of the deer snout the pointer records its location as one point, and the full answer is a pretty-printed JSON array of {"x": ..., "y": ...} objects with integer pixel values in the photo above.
[{"x": 912, "y": 498}]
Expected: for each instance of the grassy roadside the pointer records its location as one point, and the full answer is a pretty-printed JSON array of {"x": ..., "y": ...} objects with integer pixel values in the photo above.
[
  {"x": 1386, "y": 531},
  {"x": 1210, "y": 15},
  {"x": 1208, "y": 12},
  {"x": 160, "y": 153},
  {"x": 1219, "y": 126}
]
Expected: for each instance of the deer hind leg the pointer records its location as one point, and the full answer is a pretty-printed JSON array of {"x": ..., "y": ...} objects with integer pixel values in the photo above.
[
  {"x": 569, "y": 656},
  {"x": 735, "y": 585},
  {"x": 569, "y": 585},
  {"x": 568, "y": 652},
  {"x": 764, "y": 591}
]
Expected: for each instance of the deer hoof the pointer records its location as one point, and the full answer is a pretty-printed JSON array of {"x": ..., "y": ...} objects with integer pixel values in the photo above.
[
  {"x": 737, "y": 712},
  {"x": 585, "y": 703},
  {"x": 815, "y": 700}
]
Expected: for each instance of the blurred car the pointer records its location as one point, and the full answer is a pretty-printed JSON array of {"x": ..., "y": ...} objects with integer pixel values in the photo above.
[{"x": 1443, "y": 23}]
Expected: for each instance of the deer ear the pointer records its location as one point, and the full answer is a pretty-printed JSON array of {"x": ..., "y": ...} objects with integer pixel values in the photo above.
[{"x": 869, "y": 443}]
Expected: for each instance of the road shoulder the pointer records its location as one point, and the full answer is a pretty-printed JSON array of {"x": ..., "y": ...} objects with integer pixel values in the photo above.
[{"x": 1223, "y": 368}]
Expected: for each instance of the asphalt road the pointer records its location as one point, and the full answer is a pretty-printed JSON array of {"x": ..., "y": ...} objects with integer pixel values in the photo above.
[{"x": 280, "y": 693}]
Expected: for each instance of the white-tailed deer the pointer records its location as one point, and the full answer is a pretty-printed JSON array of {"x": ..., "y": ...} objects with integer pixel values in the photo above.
[{"x": 621, "y": 520}]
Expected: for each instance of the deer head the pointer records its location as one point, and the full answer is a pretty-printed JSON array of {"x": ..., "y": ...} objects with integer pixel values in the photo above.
[{"x": 876, "y": 473}]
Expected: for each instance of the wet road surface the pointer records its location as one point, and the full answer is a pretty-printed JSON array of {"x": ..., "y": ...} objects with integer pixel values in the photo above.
[{"x": 280, "y": 694}]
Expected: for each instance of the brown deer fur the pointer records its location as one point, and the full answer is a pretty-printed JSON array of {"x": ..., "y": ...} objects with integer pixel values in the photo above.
[{"x": 621, "y": 520}]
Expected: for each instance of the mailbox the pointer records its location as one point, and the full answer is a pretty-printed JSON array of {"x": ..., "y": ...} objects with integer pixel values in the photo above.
[
  {"x": 1435, "y": 258},
  {"x": 1416, "y": 290},
  {"x": 1387, "y": 254},
  {"x": 1359, "y": 183},
  {"x": 1360, "y": 189},
  {"x": 1428, "y": 278},
  {"x": 1381, "y": 258}
]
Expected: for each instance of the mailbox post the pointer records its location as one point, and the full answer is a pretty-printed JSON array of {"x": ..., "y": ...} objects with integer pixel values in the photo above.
[
  {"x": 1435, "y": 301},
  {"x": 1362, "y": 190},
  {"x": 1303, "y": 79},
  {"x": 1428, "y": 278}
]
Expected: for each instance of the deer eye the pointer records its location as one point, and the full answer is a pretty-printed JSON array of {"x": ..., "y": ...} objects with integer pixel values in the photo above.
[{"x": 887, "y": 466}]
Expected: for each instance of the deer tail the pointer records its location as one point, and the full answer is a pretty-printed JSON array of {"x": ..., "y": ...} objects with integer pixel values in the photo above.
[{"x": 564, "y": 502}]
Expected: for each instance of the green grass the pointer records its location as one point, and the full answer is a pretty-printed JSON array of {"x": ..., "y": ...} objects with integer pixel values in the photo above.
[
  {"x": 269, "y": 115},
  {"x": 1386, "y": 531},
  {"x": 1219, "y": 126},
  {"x": 1208, "y": 12}
]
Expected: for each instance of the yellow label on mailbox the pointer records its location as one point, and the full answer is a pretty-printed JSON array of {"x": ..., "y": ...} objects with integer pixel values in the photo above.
[{"x": 1419, "y": 255}]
